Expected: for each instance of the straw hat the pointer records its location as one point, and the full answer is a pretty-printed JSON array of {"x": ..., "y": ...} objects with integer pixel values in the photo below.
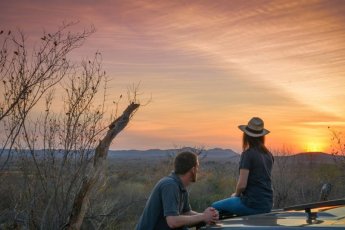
[{"x": 255, "y": 128}]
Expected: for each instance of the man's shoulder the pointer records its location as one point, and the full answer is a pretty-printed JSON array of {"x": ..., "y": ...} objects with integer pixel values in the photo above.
[{"x": 166, "y": 181}]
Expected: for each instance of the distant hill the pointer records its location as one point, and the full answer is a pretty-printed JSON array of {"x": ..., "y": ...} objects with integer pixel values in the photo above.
[
  {"x": 215, "y": 154},
  {"x": 313, "y": 157}
]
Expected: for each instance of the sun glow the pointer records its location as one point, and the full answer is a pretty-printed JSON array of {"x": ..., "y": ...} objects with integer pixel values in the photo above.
[{"x": 314, "y": 146}]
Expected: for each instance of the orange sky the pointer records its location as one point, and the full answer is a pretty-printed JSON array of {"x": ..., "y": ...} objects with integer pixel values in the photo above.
[{"x": 212, "y": 65}]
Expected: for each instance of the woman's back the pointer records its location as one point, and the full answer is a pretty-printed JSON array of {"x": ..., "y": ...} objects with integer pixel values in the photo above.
[{"x": 258, "y": 193}]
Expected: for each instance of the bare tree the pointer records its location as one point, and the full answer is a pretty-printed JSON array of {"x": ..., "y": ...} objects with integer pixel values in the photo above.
[
  {"x": 338, "y": 152},
  {"x": 57, "y": 153},
  {"x": 338, "y": 147},
  {"x": 26, "y": 76},
  {"x": 97, "y": 173}
]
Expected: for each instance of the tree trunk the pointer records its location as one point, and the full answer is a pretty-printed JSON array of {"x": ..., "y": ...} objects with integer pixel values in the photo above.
[{"x": 81, "y": 201}]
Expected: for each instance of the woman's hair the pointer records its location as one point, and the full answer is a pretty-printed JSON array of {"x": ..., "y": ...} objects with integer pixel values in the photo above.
[
  {"x": 254, "y": 142},
  {"x": 184, "y": 161}
]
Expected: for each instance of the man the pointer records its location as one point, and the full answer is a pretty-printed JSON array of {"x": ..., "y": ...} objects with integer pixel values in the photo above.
[{"x": 168, "y": 205}]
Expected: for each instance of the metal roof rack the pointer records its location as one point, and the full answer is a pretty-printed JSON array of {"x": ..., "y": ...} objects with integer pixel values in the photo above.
[
  {"x": 311, "y": 216},
  {"x": 329, "y": 203}
]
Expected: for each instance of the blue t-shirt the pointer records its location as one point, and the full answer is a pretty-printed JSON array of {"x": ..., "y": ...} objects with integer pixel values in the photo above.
[
  {"x": 258, "y": 193},
  {"x": 168, "y": 198}
]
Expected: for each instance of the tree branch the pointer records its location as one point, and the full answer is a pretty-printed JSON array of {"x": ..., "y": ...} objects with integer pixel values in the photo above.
[{"x": 81, "y": 200}]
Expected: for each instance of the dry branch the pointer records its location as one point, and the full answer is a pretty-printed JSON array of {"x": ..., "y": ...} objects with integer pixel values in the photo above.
[{"x": 96, "y": 175}]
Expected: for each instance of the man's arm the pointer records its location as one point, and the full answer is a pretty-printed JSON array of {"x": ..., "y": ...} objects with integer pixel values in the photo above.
[
  {"x": 209, "y": 215},
  {"x": 191, "y": 213},
  {"x": 242, "y": 182}
]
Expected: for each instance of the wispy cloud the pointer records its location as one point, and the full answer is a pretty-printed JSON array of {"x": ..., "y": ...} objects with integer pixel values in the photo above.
[{"x": 210, "y": 63}]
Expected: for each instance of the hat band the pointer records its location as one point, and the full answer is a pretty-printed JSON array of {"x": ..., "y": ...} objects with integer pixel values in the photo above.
[{"x": 253, "y": 131}]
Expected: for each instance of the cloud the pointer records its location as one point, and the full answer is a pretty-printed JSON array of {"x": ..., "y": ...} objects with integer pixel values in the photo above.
[{"x": 212, "y": 62}]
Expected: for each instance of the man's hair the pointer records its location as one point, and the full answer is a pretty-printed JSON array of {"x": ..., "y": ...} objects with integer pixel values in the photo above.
[{"x": 184, "y": 161}]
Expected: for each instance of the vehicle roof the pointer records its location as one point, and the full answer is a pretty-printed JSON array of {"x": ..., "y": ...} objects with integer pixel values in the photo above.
[{"x": 331, "y": 217}]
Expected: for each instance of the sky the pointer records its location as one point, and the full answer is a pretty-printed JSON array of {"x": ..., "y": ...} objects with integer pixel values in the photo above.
[{"x": 210, "y": 66}]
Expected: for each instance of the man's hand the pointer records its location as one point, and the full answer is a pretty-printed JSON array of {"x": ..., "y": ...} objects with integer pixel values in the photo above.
[
  {"x": 234, "y": 195},
  {"x": 211, "y": 215}
]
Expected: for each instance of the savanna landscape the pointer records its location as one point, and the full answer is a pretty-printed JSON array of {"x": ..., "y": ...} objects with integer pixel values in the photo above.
[
  {"x": 118, "y": 202},
  {"x": 98, "y": 97}
]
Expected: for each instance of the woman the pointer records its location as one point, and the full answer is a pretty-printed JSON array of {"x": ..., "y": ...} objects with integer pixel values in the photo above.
[{"x": 254, "y": 192}]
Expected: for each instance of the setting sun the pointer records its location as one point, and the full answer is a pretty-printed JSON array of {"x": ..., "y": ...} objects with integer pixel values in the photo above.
[{"x": 314, "y": 147}]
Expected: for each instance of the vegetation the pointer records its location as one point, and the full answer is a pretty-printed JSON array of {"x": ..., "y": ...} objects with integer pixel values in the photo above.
[
  {"x": 52, "y": 161},
  {"x": 338, "y": 148},
  {"x": 130, "y": 183},
  {"x": 119, "y": 202},
  {"x": 67, "y": 182}
]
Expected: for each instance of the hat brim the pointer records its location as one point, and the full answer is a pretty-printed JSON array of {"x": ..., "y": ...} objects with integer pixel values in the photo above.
[{"x": 243, "y": 129}]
